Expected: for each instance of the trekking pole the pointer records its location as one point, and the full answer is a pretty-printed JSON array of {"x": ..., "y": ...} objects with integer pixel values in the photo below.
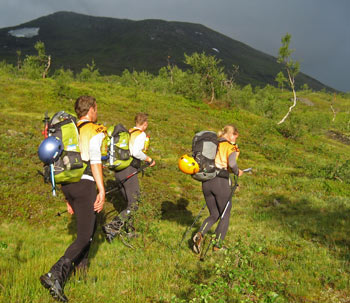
[
  {"x": 229, "y": 199},
  {"x": 46, "y": 120},
  {"x": 234, "y": 187},
  {"x": 60, "y": 213},
  {"x": 121, "y": 182},
  {"x": 195, "y": 220}
]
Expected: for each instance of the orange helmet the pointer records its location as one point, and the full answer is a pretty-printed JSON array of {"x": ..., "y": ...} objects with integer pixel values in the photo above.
[{"x": 188, "y": 165}]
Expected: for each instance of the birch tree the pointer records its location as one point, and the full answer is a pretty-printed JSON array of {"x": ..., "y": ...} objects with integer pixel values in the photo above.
[{"x": 292, "y": 69}]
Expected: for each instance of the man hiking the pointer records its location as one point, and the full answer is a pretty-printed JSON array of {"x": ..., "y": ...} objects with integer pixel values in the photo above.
[
  {"x": 130, "y": 188},
  {"x": 83, "y": 200}
]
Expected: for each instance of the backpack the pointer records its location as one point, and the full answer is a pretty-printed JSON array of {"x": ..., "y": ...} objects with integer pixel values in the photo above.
[
  {"x": 69, "y": 167},
  {"x": 118, "y": 148},
  {"x": 204, "y": 148}
]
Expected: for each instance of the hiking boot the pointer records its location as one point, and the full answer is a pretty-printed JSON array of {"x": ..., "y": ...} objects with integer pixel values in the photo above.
[
  {"x": 197, "y": 242},
  {"x": 130, "y": 231},
  {"x": 56, "y": 278},
  {"x": 113, "y": 229},
  {"x": 54, "y": 286}
]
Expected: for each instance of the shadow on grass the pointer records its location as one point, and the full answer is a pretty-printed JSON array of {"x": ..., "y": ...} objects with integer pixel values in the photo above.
[
  {"x": 328, "y": 226},
  {"x": 179, "y": 213}
]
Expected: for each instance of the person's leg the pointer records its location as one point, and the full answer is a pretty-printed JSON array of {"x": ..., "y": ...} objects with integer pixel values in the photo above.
[
  {"x": 84, "y": 196},
  {"x": 131, "y": 193},
  {"x": 81, "y": 196},
  {"x": 210, "y": 199},
  {"x": 224, "y": 203},
  {"x": 207, "y": 188}
]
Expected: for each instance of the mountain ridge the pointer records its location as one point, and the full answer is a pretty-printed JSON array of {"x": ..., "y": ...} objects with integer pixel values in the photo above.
[{"x": 74, "y": 40}]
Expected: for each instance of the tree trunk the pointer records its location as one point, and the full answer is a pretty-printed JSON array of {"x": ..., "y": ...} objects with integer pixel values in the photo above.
[
  {"x": 47, "y": 67},
  {"x": 291, "y": 80}
]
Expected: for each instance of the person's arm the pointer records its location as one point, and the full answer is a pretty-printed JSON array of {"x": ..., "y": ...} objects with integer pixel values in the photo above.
[
  {"x": 138, "y": 146},
  {"x": 96, "y": 168},
  {"x": 232, "y": 163},
  {"x": 98, "y": 176}
]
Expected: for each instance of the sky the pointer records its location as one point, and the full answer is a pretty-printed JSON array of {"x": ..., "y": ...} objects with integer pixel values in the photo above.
[{"x": 319, "y": 28}]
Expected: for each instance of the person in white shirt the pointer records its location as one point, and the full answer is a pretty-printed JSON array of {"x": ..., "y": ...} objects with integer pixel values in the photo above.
[
  {"x": 83, "y": 199},
  {"x": 138, "y": 145}
]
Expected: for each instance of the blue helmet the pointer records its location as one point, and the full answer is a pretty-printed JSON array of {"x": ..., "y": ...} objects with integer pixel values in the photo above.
[{"x": 50, "y": 149}]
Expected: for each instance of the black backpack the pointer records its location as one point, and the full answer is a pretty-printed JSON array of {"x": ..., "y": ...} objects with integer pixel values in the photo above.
[{"x": 204, "y": 149}]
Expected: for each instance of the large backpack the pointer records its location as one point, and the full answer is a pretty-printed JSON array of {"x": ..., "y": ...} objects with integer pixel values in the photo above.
[
  {"x": 204, "y": 149},
  {"x": 118, "y": 148},
  {"x": 69, "y": 167}
]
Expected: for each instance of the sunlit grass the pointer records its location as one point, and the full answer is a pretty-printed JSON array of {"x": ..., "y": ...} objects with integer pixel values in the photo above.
[{"x": 289, "y": 226}]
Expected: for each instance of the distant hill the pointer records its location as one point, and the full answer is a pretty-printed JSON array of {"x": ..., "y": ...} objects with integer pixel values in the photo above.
[{"x": 74, "y": 40}]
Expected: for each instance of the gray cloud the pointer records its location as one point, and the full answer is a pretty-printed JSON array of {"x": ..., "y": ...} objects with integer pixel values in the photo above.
[{"x": 318, "y": 27}]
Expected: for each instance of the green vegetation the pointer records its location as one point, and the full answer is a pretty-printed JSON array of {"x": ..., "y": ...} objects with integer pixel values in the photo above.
[
  {"x": 288, "y": 236},
  {"x": 73, "y": 40}
]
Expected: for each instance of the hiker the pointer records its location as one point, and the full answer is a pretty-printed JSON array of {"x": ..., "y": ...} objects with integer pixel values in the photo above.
[
  {"x": 217, "y": 191},
  {"x": 83, "y": 200},
  {"x": 130, "y": 189}
]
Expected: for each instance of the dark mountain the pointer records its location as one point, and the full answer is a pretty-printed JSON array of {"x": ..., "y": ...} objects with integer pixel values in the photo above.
[{"x": 73, "y": 40}]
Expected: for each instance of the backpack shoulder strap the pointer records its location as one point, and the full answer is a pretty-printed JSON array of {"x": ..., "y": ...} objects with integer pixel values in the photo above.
[
  {"x": 82, "y": 124},
  {"x": 135, "y": 130}
]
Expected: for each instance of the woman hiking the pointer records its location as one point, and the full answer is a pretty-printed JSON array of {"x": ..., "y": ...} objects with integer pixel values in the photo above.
[{"x": 217, "y": 191}]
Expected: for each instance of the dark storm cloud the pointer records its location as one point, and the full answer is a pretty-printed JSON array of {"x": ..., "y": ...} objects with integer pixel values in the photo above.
[{"x": 319, "y": 28}]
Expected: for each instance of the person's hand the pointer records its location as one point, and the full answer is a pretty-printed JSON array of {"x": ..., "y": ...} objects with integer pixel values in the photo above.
[
  {"x": 240, "y": 172},
  {"x": 100, "y": 200},
  {"x": 150, "y": 161},
  {"x": 69, "y": 209}
]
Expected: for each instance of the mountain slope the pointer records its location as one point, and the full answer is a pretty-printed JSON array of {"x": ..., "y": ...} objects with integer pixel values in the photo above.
[{"x": 74, "y": 40}]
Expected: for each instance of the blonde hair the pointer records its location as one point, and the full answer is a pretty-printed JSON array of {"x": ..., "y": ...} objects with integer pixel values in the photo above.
[{"x": 228, "y": 129}]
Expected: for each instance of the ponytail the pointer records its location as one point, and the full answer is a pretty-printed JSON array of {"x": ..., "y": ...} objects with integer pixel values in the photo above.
[{"x": 228, "y": 129}]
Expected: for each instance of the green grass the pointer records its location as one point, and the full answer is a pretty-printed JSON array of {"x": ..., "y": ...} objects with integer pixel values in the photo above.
[{"x": 288, "y": 235}]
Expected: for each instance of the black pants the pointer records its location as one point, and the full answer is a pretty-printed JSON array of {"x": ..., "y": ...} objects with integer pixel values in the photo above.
[
  {"x": 130, "y": 190},
  {"x": 217, "y": 193},
  {"x": 81, "y": 196}
]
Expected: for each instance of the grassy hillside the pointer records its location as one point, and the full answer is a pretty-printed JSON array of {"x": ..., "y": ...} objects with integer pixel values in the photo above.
[
  {"x": 288, "y": 238},
  {"x": 74, "y": 40}
]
